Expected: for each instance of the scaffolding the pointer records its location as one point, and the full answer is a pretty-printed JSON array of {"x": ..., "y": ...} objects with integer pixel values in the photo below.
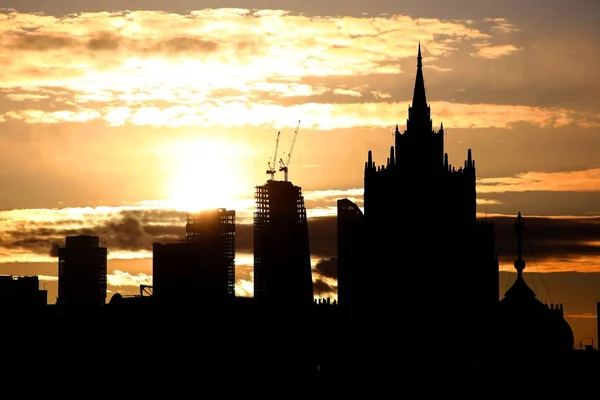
[
  {"x": 217, "y": 227},
  {"x": 282, "y": 269}
]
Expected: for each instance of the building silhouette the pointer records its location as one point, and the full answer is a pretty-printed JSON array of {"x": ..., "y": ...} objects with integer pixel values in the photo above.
[
  {"x": 82, "y": 267},
  {"x": 21, "y": 291},
  {"x": 350, "y": 257},
  {"x": 201, "y": 268},
  {"x": 525, "y": 326},
  {"x": 282, "y": 267},
  {"x": 427, "y": 256}
]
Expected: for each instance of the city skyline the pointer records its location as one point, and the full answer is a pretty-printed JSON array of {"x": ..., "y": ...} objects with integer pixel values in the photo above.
[{"x": 146, "y": 119}]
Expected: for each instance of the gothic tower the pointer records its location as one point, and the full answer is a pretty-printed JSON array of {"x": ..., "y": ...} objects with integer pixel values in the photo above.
[{"x": 427, "y": 256}]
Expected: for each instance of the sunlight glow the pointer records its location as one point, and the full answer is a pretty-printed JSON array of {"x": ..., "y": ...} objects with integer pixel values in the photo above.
[{"x": 206, "y": 174}]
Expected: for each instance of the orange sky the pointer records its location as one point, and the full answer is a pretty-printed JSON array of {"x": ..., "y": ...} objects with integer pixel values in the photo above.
[{"x": 117, "y": 122}]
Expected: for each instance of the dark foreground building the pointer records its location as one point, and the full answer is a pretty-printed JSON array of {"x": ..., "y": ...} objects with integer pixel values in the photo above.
[
  {"x": 350, "y": 250},
  {"x": 82, "y": 265},
  {"x": 282, "y": 267},
  {"x": 200, "y": 268},
  {"x": 427, "y": 262},
  {"x": 21, "y": 292}
]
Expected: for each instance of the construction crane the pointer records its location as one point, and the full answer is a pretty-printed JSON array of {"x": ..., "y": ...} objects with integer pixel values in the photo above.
[
  {"x": 271, "y": 171},
  {"x": 283, "y": 166}
]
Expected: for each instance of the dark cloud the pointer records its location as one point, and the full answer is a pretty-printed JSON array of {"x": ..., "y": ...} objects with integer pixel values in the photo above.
[
  {"x": 321, "y": 231},
  {"x": 548, "y": 238},
  {"x": 127, "y": 234},
  {"x": 545, "y": 203},
  {"x": 327, "y": 267},
  {"x": 54, "y": 246},
  {"x": 188, "y": 44},
  {"x": 544, "y": 238},
  {"x": 33, "y": 41},
  {"x": 323, "y": 236},
  {"x": 128, "y": 230},
  {"x": 105, "y": 41},
  {"x": 322, "y": 289}
]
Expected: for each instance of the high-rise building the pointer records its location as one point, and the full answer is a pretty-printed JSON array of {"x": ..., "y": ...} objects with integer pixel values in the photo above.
[
  {"x": 428, "y": 256},
  {"x": 350, "y": 247},
  {"x": 202, "y": 267},
  {"x": 82, "y": 267},
  {"x": 282, "y": 267},
  {"x": 21, "y": 291}
]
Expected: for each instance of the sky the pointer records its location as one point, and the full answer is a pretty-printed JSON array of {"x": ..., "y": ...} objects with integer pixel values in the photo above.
[{"x": 117, "y": 118}]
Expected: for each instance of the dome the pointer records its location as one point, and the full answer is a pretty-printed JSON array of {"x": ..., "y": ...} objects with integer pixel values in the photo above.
[
  {"x": 525, "y": 325},
  {"x": 116, "y": 298}
]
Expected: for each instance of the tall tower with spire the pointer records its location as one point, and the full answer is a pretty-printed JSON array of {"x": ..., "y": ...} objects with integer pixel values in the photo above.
[{"x": 427, "y": 253}]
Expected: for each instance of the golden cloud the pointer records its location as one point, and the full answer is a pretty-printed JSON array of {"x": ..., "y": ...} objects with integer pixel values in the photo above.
[
  {"x": 210, "y": 65},
  {"x": 489, "y": 51},
  {"x": 588, "y": 263},
  {"x": 577, "y": 181},
  {"x": 318, "y": 116},
  {"x": 119, "y": 278},
  {"x": 233, "y": 44}
]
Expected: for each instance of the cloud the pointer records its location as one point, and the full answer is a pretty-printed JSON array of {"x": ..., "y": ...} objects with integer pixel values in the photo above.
[
  {"x": 129, "y": 231},
  {"x": 551, "y": 244},
  {"x": 502, "y": 25},
  {"x": 119, "y": 278},
  {"x": 488, "y": 51},
  {"x": 267, "y": 40},
  {"x": 554, "y": 244},
  {"x": 210, "y": 64},
  {"x": 562, "y": 181},
  {"x": 327, "y": 267},
  {"x": 318, "y": 116},
  {"x": 347, "y": 92},
  {"x": 323, "y": 289}
]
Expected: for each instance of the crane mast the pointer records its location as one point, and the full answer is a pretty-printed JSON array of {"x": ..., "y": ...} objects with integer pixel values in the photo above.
[
  {"x": 283, "y": 166},
  {"x": 271, "y": 171}
]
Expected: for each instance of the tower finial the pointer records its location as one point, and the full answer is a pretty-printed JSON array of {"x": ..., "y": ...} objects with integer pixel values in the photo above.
[
  {"x": 519, "y": 227},
  {"x": 419, "y": 97}
]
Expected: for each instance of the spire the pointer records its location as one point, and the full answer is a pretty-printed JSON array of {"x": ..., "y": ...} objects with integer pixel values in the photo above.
[
  {"x": 419, "y": 98},
  {"x": 519, "y": 263},
  {"x": 519, "y": 291}
]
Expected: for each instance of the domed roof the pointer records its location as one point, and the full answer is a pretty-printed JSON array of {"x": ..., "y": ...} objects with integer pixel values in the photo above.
[
  {"x": 116, "y": 298},
  {"x": 527, "y": 325}
]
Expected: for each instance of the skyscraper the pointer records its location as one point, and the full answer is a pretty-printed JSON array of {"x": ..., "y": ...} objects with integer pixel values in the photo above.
[
  {"x": 350, "y": 260},
  {"x": 428, "y": 257},
  {"x": 201, "y": 268},
  {"x": 282, "y": 267},
  {"x": 82, "y": 267}
]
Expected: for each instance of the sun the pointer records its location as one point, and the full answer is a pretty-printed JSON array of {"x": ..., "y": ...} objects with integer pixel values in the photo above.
[{"x": 205, "y": 174}]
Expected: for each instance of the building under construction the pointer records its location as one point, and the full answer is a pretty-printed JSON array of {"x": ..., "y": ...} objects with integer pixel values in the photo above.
[
  {"x": 200, "y": 268},
  {"x": 282, "y": 267},
  {"x": 218, "y": 227}
]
